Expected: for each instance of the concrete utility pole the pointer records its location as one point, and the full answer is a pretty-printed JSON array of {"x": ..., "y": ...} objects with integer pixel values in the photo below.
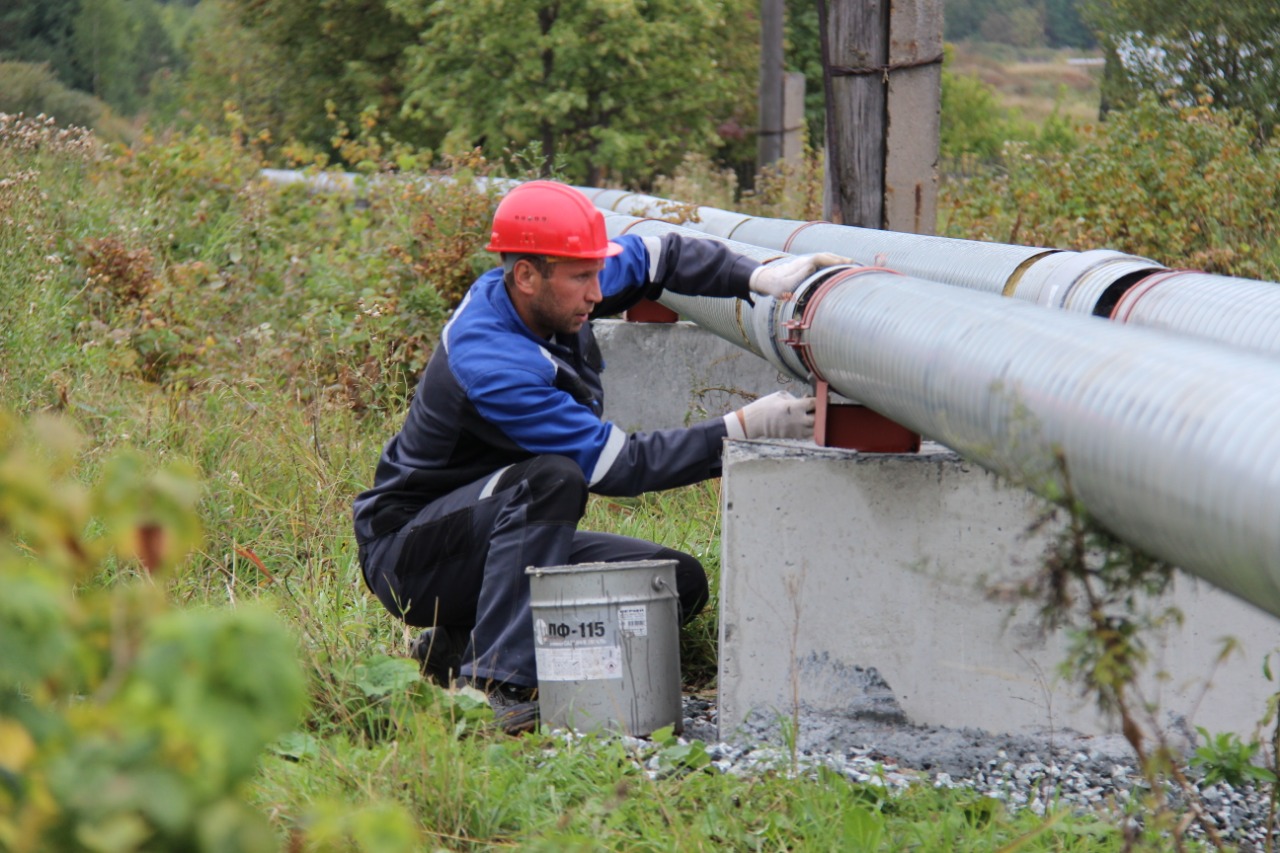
[
  {"x": 781, "y": 127},
  {"x": 769, "y": 137},
  {"x": 882, "y": 66}
]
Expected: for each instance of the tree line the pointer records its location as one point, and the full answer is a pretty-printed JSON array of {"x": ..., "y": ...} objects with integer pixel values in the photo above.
[
  {"x": 1021, "y": 23},
  {"x": 595, "y": 90}
]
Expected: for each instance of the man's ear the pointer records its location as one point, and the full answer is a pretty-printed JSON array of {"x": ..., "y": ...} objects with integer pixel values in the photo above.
[{"x": 525, "y": 277}]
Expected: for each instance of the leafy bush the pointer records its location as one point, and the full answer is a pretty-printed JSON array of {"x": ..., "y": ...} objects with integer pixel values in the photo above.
[
  {"x": 1184, "y": 186},
  {"x": 124, "y": 725},
  {"x": 178, "y": 265},
  {"x": 973, "y": 123}
]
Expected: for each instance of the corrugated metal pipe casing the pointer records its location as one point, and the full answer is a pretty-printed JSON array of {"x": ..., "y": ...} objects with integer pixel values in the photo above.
[
  {"x": 964, "y": 263},
  {"x": 638, "y": 204},
  {"x": 1242, "y": 312},
  {"x": 722, "y": 223},
  {"x": 1170, "y": 442},
  {"x": 605, "y": 199},
  {"x": 731, "y": 319},
  {"x": 1077, "y": 281},
  {"x": 1127, "y": 288}
]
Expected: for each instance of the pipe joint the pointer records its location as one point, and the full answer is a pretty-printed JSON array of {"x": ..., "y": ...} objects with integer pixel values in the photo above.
[{"x": 802, "y": 310}]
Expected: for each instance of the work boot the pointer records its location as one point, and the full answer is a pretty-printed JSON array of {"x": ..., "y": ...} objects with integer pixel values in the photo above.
[
  {"x": 515, "y": 708},
  {"x": 438, "y": 652}
]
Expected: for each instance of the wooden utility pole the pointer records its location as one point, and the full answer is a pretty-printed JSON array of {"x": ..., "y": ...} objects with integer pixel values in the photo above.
[{"x": 882, "y": 67}]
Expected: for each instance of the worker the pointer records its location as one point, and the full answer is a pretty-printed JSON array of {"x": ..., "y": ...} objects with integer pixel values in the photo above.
[{"x": 504, "y": 438}]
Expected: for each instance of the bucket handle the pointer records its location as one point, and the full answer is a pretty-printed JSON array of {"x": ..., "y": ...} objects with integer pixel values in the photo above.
[{"x": 659, "y": 585}]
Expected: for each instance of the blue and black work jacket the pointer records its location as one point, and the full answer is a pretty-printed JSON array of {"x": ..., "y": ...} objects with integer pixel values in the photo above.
[{"x": 494, "y": 394}]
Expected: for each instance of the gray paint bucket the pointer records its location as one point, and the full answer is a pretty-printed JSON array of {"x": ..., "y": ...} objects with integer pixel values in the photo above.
[{"x": 607, "y": 643}]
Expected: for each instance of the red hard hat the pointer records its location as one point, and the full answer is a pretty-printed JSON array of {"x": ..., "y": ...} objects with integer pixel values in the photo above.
[{"x": 548, "y": 218}]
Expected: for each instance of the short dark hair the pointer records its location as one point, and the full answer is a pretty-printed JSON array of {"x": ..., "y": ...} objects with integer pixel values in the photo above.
[{"x": 509, "y": 260}]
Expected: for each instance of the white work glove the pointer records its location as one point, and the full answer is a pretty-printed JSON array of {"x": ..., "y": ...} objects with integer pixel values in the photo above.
[
  {"x": 780, "y": 280},
  {"x": 779, "y": 415}
]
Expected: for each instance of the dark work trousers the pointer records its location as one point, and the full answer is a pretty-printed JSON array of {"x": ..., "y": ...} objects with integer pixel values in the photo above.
[{"x": 460, "y": 563}]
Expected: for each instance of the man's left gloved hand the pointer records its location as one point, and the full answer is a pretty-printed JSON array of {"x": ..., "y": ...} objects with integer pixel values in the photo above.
[{"x": 781, "y": 279}]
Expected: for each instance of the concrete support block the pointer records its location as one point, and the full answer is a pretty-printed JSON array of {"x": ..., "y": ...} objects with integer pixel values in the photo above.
[
  {"x": 659, "y": 376},
  {"x": 865, "y": 586}
]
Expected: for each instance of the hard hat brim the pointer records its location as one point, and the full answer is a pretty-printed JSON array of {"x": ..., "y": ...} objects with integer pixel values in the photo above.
[{"x": 610, "y": 250}]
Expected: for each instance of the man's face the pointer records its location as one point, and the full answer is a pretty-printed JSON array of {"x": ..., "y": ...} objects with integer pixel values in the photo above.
[{"x": 560, "y": 302}]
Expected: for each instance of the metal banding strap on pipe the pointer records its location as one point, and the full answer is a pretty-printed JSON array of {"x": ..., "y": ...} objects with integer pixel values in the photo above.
[
  {"x": 814, "y": 291},
  {"x": 786, "y": 246},
  {"x": 1120, "y": 313}
]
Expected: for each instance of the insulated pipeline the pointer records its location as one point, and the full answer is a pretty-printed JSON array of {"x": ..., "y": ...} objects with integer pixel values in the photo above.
[
  {"x": 1240, "y": 311},
  {"x": 1167, "y": 440},
  {"x": 1126, "y": 288},
  {"x": 965, "y": 263}
]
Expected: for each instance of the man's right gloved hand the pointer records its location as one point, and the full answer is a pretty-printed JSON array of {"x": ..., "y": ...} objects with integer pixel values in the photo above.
[{"x": 779, "y": 415}]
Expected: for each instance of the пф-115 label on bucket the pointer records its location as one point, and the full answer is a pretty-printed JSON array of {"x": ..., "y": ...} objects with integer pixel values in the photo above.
[{"x": 582, "y": 645}]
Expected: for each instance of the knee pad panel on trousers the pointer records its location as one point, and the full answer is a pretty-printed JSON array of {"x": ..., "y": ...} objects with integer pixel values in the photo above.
[{"x": 557, "y": 489}]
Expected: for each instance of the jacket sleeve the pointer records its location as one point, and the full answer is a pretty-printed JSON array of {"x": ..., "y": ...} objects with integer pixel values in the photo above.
[
  {"x": 664, "y": 459},
  {"x": 698, "y": 267},
  {"x": 687, "y": 265},
  {"x": 544, "y": 419}
]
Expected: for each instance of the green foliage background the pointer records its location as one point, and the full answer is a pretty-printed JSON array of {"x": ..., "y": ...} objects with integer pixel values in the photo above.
[
  {"x": 1186, "y": 186},
  {"x": 594, "y": 87},
  {"x": 169, "y": 306},
  {"x": 203, "y": 368},
  {"x": 1227, "y": 54},
  {"x": 1051, "y": 23}
]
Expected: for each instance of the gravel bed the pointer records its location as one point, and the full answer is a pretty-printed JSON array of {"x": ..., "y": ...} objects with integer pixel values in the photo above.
[{"x": 1033, "y": 772}]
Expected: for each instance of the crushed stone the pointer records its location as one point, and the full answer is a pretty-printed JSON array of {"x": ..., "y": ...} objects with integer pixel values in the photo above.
[{"x": 1036, "y": 772}]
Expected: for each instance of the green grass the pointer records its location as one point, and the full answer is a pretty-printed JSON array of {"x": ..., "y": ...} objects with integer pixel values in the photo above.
[{"x": 164, "y": 351}]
